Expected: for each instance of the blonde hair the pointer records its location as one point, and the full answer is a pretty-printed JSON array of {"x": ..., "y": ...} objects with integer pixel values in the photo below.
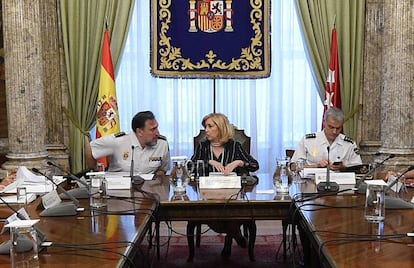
[{"x": 226, "y": 130}]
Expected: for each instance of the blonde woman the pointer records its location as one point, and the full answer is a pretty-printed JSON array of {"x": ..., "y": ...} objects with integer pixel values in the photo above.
[{"x": 225, "y": 155}]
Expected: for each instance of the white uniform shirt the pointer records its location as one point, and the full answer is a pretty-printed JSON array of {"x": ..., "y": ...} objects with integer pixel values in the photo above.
[
  {"x": 313, "y": 148},
  {"x": 119, "y": 147}
]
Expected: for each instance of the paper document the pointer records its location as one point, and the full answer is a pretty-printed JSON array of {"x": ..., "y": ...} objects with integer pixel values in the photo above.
[
  {"x": 118, "y": 183},
  {"x": 215, "y": 174},
  {"x": 220, "y": 182},
  {"x": 28, "y": 176}
]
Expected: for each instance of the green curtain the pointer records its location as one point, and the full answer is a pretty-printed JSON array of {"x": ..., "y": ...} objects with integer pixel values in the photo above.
[
  {"x": 83, "y": 25},
  {"x": 316, "y": 19}
]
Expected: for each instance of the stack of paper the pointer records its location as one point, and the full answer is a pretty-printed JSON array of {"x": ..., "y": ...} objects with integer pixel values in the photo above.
[{"x": 33, "y": 183}]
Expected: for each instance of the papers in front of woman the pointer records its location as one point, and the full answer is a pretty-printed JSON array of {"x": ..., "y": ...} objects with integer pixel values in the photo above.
[{"x": 32, "y": 182}]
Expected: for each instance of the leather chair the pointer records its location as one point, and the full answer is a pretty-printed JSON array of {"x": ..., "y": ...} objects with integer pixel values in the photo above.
[
  {"x": 239, "y": 136},
  {"x": 249, "y": 227}
]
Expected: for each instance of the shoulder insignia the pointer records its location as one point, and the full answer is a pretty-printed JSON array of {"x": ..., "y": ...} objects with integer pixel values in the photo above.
[
  {"x": 348, "y": 139},
  {"x": 356, "y": 150},
  {"x": 119, "y": 134},
  {"x": 310, "y": 136},
  {"x": 161, "y": 137}
]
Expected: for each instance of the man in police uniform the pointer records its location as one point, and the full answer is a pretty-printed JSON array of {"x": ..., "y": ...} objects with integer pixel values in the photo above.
[
  {"x": 313, "y": 148},
  {"x": 150, "y": 149}
]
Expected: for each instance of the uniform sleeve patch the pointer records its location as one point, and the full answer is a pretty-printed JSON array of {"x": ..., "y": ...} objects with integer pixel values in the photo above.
[
  {"x": 356, "y": 150},
  {"x": 310, "y": 136},
  {"x": 119, "y": 134}
]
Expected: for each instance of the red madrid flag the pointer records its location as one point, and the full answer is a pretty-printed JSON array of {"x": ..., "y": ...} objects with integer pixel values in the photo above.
[
  {"x": 107, "y": 116},
  {"x": 332, "y": 90}
]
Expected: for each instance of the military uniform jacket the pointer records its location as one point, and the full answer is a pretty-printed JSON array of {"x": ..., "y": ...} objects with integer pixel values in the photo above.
[
  {"x": 119, "y": 147},
  {"x": 313, "y": 148}
]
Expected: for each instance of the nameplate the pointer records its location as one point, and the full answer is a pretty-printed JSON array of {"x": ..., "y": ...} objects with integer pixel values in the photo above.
[
  {"x": 22, "y": 223},
  {"x": 220, "y": 182},
  {"x": 51, "y": 199},
  {"x": 12, "y": 199},
  {"x": 312, "y": 172},
  {"x": 118, "y": 183},
  {"x": 338, "y": 177}
]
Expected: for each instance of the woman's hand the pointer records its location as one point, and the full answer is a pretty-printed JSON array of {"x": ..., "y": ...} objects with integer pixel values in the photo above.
[
  {"x": 7, "y": 180},
  {"x": 217, "y": 165},
  {"x": 232, "y": 166}
]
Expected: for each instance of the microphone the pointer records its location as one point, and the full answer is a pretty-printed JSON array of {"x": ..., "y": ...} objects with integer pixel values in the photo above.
[
  {"x": 23, "y": 244},
  {"x": 80, "y": 192},
  {"x": 362, "y": 187},
  {"x": 327, "y": 186},
  {"x": 399, "y": 177},
  {"x": 137, "y": 180},
  {"x": 63, "y": 208},
  {"x": 395, "y": 202}
]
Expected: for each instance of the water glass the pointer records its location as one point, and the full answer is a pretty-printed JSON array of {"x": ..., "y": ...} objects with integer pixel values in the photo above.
[
  {"x": 98, "y": 188},
  {"x": 375, "y": 201},
  {"x": 24, "y": 250},
  {"x": 200, "y": 169},
  {"x": 21, "y": 196}
]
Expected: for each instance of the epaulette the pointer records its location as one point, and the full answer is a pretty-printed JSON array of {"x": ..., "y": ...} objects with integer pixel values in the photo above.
[
  {"x": 119, "y": 134},
  {"x": 161, "y": 137},
  {"x": 348, "y": 139},
  {"x": 310, "y": 136}
]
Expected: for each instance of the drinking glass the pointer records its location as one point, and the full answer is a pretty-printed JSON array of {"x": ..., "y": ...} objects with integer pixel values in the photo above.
[{"x": 300, "y": 164}]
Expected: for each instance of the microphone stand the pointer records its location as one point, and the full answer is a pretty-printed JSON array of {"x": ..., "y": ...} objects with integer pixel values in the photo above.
[
  {"x": 80, "y": 192},
  {"x": 137, "y": 180},
  {"x": 63, "y": 208},
  {"x": 396, "y": 202},
  {"x": 6, "y": 246},
  {"x": 327, "y": 186},
  {"x": 400, "y": 176}
]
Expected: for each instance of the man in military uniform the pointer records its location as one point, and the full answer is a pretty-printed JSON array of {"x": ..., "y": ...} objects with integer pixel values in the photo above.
[
  {"x": 313, "y": 148},
  {"x": 150, "y": 149}
]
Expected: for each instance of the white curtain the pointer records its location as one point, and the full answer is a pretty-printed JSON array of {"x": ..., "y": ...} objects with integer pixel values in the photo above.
[{"x": 276, "y": 112}]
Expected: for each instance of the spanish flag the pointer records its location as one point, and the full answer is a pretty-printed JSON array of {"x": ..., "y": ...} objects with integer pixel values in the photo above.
[{"x": 107, "y": 116}]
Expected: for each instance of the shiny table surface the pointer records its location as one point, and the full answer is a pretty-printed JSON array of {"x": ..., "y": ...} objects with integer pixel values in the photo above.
[
  {"x": 91, "y": 238},
  {"x": 341, "y": 237}
]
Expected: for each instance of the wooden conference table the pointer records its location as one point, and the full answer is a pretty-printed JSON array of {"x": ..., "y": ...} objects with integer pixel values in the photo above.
[
  {"x": 336, "y": 233},
  {"x": 91, "y": 239},
  {"x": 260, "y": 202}
]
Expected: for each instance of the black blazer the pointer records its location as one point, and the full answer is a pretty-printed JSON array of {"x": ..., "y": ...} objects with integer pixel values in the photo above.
[{"x": 233, "y": 150}]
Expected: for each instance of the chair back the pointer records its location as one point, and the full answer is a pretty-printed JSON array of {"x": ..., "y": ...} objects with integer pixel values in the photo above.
[
  {"x": 289, "y": 153},
  {"x": 239, "y": 136}
]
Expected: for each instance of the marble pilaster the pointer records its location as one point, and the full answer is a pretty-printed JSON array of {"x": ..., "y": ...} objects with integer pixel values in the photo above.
[
  {"x": 398, "y": 81},
  {"x": 386, "y": 121},
  {"x": 370, "y": 116},
  {"x": 24, "y": 83}
]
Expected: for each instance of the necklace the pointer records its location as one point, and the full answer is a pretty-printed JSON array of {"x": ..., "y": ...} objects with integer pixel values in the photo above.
[
  {"x": 212, "y": 156},
  {"x": 215, "y": 144}
]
